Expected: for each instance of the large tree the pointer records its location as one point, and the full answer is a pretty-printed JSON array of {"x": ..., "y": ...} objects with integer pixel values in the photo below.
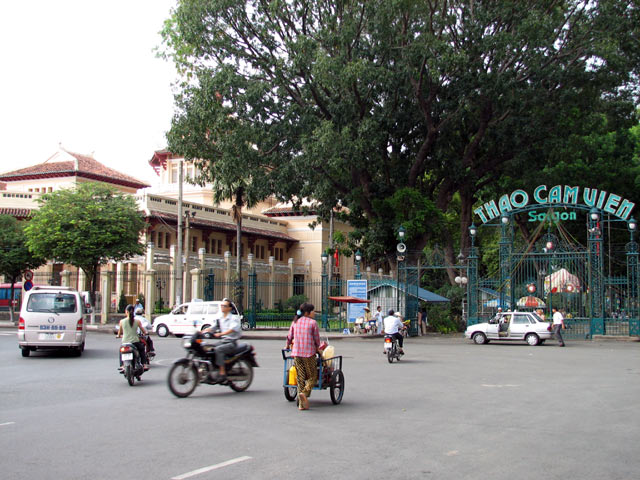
[
  {"x": 393, "y": 108},
  {"x": 15, "y": 257},
  {"x": 86, "y": 227}
]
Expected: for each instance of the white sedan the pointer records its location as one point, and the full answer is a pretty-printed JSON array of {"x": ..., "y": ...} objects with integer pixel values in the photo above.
[{"x": 511, "y": 326}]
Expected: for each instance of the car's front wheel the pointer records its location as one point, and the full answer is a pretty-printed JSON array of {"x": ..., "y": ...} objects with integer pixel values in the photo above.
[
  {"x": 532, "y": 339},
  {"x": 479, "y": 338},
  {"x": 162, "y": 330}
]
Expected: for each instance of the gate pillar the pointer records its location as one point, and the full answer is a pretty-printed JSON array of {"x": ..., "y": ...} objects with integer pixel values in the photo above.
[
  {"x": 633, "y": 283},
  {"x": 596, "y": 283},
  {"x": 472, "y": 275},
  {"x": 506, "y": 245}
]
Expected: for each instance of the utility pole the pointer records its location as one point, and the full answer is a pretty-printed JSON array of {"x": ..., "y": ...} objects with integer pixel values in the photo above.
[{"x": 178, "y": 277}]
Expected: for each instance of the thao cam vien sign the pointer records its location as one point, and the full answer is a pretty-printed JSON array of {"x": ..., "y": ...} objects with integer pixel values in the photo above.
[{"x": 557, "y": 195}]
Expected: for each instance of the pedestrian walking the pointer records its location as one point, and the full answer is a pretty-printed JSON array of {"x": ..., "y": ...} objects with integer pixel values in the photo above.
[
  {"x": 379, "y": 316},
  {"x": 422, "y": 321},
  {"x": 558, "y": 324},
  {"x": 305, "y": 338}
]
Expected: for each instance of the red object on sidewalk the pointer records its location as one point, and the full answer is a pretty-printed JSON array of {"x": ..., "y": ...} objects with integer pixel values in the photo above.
[{"x": 337, "y": 258}]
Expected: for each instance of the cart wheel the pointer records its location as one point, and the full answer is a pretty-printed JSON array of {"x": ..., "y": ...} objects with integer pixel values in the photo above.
[
  {"x": 336, "y": 387},
  {"x": 290, "y": 393}
]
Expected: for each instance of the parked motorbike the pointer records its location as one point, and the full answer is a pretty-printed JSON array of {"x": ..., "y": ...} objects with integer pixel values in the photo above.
[
  {"x": 391, "y": 348},
  {"x": 131, "y": 363},
  {"x": 199, "y": 365}
]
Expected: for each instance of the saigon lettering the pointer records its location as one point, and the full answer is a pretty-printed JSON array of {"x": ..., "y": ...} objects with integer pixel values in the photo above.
[{"x": 557, "y": 195}]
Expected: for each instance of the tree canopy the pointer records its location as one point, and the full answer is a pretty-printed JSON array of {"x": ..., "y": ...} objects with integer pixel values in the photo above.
[
  {"x": 86, "y": 227},
  {"x": 399, "y": 110},
  {"x": 15, "y": 257}
]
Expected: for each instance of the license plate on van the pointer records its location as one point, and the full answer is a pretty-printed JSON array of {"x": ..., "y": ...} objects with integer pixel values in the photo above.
[{"x": 50, "y": 336}]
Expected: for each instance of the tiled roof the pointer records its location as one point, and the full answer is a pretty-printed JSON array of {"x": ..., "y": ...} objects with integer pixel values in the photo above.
[
  {"x": 228, "y": 227},
  {"x": 88, "y": 167},
  {"x": 16, "y": 212}
]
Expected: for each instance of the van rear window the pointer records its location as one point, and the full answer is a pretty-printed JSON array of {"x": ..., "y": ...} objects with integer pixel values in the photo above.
[{"x": 52, "y": 302}]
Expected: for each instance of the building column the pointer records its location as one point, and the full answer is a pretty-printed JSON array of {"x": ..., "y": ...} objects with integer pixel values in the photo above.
[
  {"x": 272, "y": 281},
  {"x": 291, "y": 277},
  {"x": 196, "y": 283},
  {"x": 105, "y": 288},
  {"x": 120, "y": 269},
  {"x": 65, "y": 278},
  {"x": 149, "y": 293},
  {"x": 227, "y": 274}
]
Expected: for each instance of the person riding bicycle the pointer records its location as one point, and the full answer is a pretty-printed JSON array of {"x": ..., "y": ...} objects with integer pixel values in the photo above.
[
  {"x": 230, "y": 331},
  {"x": 392, "y": 327}
]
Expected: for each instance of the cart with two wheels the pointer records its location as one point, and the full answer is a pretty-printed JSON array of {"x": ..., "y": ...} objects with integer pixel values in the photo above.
[{"x": 330, "y": 377}]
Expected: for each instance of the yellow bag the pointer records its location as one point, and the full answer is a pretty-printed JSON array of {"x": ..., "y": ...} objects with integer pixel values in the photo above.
[{"x": 293, "y": 376}]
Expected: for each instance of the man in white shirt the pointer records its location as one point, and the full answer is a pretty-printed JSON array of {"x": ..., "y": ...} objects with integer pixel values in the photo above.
[
  {"x": 558, "y": 324},
  {"x": 230, "y": 331},
  {"x": 392, "y": 326}
]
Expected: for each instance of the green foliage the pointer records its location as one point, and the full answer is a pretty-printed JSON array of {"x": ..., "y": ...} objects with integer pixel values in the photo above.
[
  {"x": 86, "y": 227},
  {"x": 293, "y": 303},
  {"x": 15, "y": 257},
  {"x": 122, "y": 303},
  {"x": 398, "y": 111}
]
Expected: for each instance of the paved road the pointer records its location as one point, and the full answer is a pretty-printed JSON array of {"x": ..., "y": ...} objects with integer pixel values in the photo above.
[{"x": 450, "y": 409}]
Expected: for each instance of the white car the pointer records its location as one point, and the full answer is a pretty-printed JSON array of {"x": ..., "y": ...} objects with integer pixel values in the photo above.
[
  {"x": 511, "y": 326},
  {"x": 189, "y": 317}
]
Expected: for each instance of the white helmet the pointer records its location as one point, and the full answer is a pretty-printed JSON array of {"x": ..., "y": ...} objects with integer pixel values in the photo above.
[{"x": 138, "y": 311}]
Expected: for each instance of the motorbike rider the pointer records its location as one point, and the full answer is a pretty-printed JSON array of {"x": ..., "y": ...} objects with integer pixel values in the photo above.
[
  {"x": 139, "y": 312},
  {"x": 128, "y": 330},
  {"x": 230, "y": 332},
  {"x": 392, "y": 327}
]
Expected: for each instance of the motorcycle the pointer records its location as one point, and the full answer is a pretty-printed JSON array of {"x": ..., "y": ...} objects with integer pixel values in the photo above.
[
  {"x": 199, "y": 365},
  {"x": 131, "y": 363},
  {"x": 391, "y": 348}
]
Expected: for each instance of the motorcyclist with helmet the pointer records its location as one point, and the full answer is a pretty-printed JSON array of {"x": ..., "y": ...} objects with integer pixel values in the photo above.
[{"x": 128, "y": 330}]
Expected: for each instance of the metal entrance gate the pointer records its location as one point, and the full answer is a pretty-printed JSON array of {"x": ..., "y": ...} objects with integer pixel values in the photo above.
[{"x": 555, "y": 273}]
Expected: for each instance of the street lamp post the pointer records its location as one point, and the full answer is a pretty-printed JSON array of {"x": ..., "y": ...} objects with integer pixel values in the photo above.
[
  {"x": 461, "y": 280},
  {"x": 325, "y": 290},
  {"x": 633, "y": 280},
  {"x": 401, "y": 249},
  {"x": 160, "y": 284},
  {"x": 358, "y": 260},
  {"x": 472, "y": 284}
]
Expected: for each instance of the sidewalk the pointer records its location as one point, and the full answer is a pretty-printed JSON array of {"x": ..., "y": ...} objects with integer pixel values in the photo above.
[{"x": 264, "y": 334}]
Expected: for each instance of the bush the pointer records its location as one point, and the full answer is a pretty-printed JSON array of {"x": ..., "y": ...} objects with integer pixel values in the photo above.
[
  {"x": 294, "y": 302},
  {"x": 122, "y": 303}
]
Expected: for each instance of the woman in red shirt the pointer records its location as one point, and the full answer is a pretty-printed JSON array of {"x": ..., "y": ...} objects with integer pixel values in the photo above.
[{"x": 305, "y": 337}]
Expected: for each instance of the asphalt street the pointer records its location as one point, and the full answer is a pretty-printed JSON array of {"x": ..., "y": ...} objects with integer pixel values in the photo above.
[{"x": 449, "y": 409}]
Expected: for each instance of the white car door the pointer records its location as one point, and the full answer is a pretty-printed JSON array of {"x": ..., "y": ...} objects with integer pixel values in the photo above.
[
  {"x": 195, "y": 317},
  {"x": 179, "y": 319},
  {"x": 492, "y": 329},
  {"x": 520, "y": 325}
]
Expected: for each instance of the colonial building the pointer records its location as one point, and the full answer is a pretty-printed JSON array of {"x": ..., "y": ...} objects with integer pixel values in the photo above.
[{"x": 277, "y": 242}]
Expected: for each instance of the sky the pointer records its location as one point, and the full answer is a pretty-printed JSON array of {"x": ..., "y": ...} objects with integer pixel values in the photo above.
[{"x": 83, "y": 74}]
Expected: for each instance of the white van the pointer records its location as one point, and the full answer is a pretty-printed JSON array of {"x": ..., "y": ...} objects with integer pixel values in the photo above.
[
  {"x": 189, "y": 317},
  {"x": 51, "y": 318}
]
